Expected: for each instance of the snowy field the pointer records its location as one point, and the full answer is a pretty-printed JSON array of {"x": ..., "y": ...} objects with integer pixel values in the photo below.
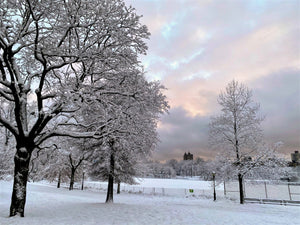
[
  {"x": 49, "y": 205},
  {"x": 165, "y": 187},
  {"x": 182, "y": 187}
]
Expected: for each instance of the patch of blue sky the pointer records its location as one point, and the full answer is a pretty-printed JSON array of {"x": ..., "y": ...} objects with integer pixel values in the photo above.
[
  {"x": 257, "y": 6},
  {"x": 150, "y": 60},
  {"x": 155, "y": 76},
  {"x": 172, "y": 28},
  {"x": 168, "y": 30},
  {"x": 200, "y": 74},
  {"x": 175, "y": 64},
  {"x": 146, "y": 64},
  {"x": 251, "y": 23},
  {"x": 193, "y": 56}
]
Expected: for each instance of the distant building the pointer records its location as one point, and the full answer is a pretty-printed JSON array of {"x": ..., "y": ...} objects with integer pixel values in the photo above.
[
  {"x": 188, "y": 156},
  {"x": 295, "y": 164},
  {"x": 295, "y": 158}
]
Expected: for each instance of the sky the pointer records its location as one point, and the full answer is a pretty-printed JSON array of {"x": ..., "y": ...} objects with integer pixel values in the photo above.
[{"x": 198, "y": 46}]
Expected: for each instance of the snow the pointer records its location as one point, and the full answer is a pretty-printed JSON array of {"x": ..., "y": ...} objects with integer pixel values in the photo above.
[
  {"x": 181, "y": 188},
  {"x": 49, "y": 205},
  {"x": 166, "y": 187}
]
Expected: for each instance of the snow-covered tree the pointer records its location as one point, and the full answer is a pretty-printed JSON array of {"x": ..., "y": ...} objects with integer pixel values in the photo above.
[
  {"x": 50, "y": 163},
  {"x": 76, "y": 158},
  {"x": 49, "y": 52},
  {"x": 160, "y": 170},
  {"x": 237, "y": 130},
  {"x": 62, "y": 162},
  {"x": 132, "y": 114},
  {"x": 266, "y": 163}
]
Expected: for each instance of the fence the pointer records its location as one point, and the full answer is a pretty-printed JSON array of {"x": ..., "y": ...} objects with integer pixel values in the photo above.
[
  {"x": 263, "y": 191},
  {"x": 287, "y": 191},
  {"x": 180, "y": 192}
]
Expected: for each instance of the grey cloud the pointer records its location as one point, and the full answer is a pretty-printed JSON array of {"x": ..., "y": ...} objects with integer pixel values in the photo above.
[
  {"x": 181, "y": 133},
  {"x": 279, "y": 96}
]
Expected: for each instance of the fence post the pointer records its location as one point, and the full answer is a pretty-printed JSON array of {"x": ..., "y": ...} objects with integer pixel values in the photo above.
[
  {"x": 224, "y": 189},
  {"x": 289, "y": 191},
  {"x": 163, "y": 191},
  {"x": 266, "y": 190}
]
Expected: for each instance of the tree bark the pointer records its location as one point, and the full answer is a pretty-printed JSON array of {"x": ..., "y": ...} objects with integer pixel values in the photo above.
[
  {"x": 110, "y": 187},
  {"x": 59, "y": 179},
  {"x": 82, "y": 183},
  {"x": 119, "y": 187},
  {"x": 72, "y": 179},
  {"x": 18, "y": 199},
  {"x": 241, "y": 188}
]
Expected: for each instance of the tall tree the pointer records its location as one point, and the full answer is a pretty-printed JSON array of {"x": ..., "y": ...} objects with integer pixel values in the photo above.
[
  {"x": 133, "y": 113},
  {"x": 49, "y": 52},
  {"x": 237, "y": 129}
]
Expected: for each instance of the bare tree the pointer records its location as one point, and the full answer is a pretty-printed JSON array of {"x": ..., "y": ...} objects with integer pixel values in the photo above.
[
  {"x": 237, "y": 129},
  {"x": 50, "y": 51}
]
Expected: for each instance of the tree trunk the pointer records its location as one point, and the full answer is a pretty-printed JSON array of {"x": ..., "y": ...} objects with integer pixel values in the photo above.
[
  {"x": 82, "y": 183},
  {"x": 119, "y": 187},
  {"x": 110, "y": 187},
  {"x": 59, "y": 179},
  {"x": 18, "y": 199},
  {"x": 72, "y": 179},
  {"x": 241, "y": 188}
]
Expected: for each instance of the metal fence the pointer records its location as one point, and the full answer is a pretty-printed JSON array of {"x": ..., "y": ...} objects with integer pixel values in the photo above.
[
  {"x": 265, "y": 190},
  {"x": 262, "y": 191},
  {"x": 180, "y": 192}
]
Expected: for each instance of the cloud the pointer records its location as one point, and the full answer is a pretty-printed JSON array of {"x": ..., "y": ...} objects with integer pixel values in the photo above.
[
  {"x": 197, "y": 47},
  {"x": 279, "y": 96},
  {"x": 180, "y": 133}
]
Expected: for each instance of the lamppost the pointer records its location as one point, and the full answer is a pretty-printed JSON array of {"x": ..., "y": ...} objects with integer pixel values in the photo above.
[{"x": 214, "y": 183}]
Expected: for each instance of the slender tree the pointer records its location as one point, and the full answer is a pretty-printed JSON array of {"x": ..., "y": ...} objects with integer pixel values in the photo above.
[
  {"x": 50, "y": 163},
  {"x": 237, "y": 129}
]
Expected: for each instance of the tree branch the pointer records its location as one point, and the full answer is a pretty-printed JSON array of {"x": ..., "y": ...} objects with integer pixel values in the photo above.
[{"x": 9, "y": 126}]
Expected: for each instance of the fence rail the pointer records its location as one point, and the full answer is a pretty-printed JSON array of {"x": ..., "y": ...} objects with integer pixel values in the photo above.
[
  {"x": 272, "y": 201},
  {"x": 265, "y": 192},
  {"x": 180, "y": 192}
]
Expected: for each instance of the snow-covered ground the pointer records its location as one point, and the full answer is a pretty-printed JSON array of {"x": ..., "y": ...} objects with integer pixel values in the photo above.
[
  {"x": 166, "y": 187},
  {"x": 49, "y": 205},
  {"x": 182, "y": 187}
]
